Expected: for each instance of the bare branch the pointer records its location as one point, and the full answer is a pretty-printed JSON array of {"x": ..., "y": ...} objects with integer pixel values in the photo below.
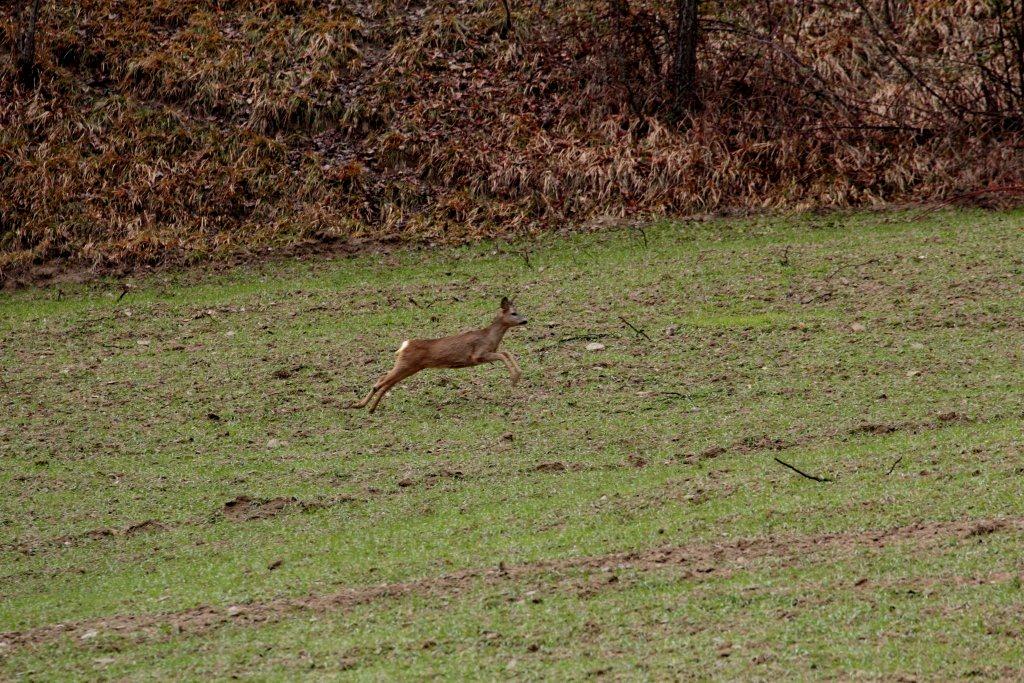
[
  {"x": 801, "y": 472},
  {"x": 636, "y": 329}
]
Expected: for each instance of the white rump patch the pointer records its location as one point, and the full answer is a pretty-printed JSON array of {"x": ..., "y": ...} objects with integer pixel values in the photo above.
[{"x": 402, "y": 347}]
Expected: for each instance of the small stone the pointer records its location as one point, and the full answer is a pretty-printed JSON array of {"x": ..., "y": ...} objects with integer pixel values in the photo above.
[
  {"x": 89, "y": 635},
  {"x": 595, "y": 346},
  {"x": 857, "y": 327}
]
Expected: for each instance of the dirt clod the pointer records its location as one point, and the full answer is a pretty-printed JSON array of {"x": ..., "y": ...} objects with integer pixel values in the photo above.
[
  {"x": 636, "y": 461},
  {"x": 985, "y": 528},
  {"x": 551, "y": 467},
  {"x": 711, "y": 452},
  {"x": 244, "y": 508},
  {"x": 148, "y": 526},
  {"x": 869, "y": 428}
]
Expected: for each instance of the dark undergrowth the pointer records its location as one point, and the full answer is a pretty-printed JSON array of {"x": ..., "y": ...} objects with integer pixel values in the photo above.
[{"x": 165, "y": 132}]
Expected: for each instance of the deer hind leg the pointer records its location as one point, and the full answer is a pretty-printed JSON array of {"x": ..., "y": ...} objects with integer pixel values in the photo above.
[
  {"x": 377, "y": 386},
  {"x": 399, "y": 373},
  {"x": 366, "y": 399},
  {"x": 374, "y": 390}
]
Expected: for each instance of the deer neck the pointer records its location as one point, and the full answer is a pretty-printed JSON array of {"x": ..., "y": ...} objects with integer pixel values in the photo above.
[{"x": 494, "y": 333}]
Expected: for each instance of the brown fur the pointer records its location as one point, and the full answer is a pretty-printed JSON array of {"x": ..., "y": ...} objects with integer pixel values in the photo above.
[{"x": 459, "y": 351}]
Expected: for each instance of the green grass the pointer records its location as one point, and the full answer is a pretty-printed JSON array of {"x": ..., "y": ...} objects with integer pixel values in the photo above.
[{"x": 843, "y": 345}]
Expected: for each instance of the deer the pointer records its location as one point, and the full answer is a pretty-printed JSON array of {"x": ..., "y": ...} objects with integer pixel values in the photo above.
[{"x": 464, "y": 350}]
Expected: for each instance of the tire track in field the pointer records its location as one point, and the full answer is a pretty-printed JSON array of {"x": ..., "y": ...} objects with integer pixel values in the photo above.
[
  {"x": 257, "y": 509},
  {"x": 698, "y": 561}
]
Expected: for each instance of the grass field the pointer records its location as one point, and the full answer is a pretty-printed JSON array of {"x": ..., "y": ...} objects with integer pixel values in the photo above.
[{"x": 183, "y": 496}]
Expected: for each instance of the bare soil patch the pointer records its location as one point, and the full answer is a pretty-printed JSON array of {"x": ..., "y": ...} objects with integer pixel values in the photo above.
[
  {"x": 697, "y": 561},
  {"x": 244, "y": 508}
]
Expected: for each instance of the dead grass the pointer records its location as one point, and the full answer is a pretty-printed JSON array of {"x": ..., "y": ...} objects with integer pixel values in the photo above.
[{"x": 172, "y": 131}]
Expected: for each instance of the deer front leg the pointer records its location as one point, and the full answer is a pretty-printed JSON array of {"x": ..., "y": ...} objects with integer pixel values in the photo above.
[
  {"x": 507, "y": 360},
  {"x": 519, "y": 370}
]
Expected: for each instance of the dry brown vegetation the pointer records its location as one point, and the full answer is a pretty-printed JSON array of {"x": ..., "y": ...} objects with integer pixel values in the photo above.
[{"x": 160, "y": 131}]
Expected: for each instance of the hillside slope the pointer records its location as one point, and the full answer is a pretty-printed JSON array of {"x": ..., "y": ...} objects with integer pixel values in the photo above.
[{"x": 183, "y": 496}]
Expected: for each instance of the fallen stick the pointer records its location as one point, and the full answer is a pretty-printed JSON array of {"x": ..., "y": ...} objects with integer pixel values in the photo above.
[
  {"x": 812, "y": 299},
  {"x": 635, "y": 328},
  {"x": 801, "y": 472},
  {"x": 837, "y": 269},
  {"x": 894, "y": 465},
  {"x": 643, "y": 234},
  {"x": 565, "y": 340}
]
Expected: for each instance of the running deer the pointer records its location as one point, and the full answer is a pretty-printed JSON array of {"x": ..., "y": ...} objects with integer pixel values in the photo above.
[{"x": 460, "y": 351}]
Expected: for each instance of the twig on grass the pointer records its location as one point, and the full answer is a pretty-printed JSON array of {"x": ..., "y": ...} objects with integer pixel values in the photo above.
[
  {"x": 582, "y": 337},
  {"x": 635, "y": 328},
  {"x": 643, "y": 234},
  {"x": 835, "y": 271},
  {"x": 894, "y": 465},
  {"x": 801, "y": 472},
  {"x": 812, "y": 299},
  {"x": 566, "y": 340},
  {"x": 838, "y": 269}
]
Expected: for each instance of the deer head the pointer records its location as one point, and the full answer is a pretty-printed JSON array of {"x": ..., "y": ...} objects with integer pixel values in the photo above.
[{"x": 508, "y": 315}]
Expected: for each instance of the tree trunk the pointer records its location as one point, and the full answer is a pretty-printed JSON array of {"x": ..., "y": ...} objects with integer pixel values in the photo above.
[
  {"x": 683, "y": 77},
  {"x": 25, "y": 42},
  {"x": 506, "y": 26}
]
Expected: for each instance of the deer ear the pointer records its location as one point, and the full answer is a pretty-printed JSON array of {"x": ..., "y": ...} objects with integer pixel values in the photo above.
[{"x": 505, "y": 303}]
